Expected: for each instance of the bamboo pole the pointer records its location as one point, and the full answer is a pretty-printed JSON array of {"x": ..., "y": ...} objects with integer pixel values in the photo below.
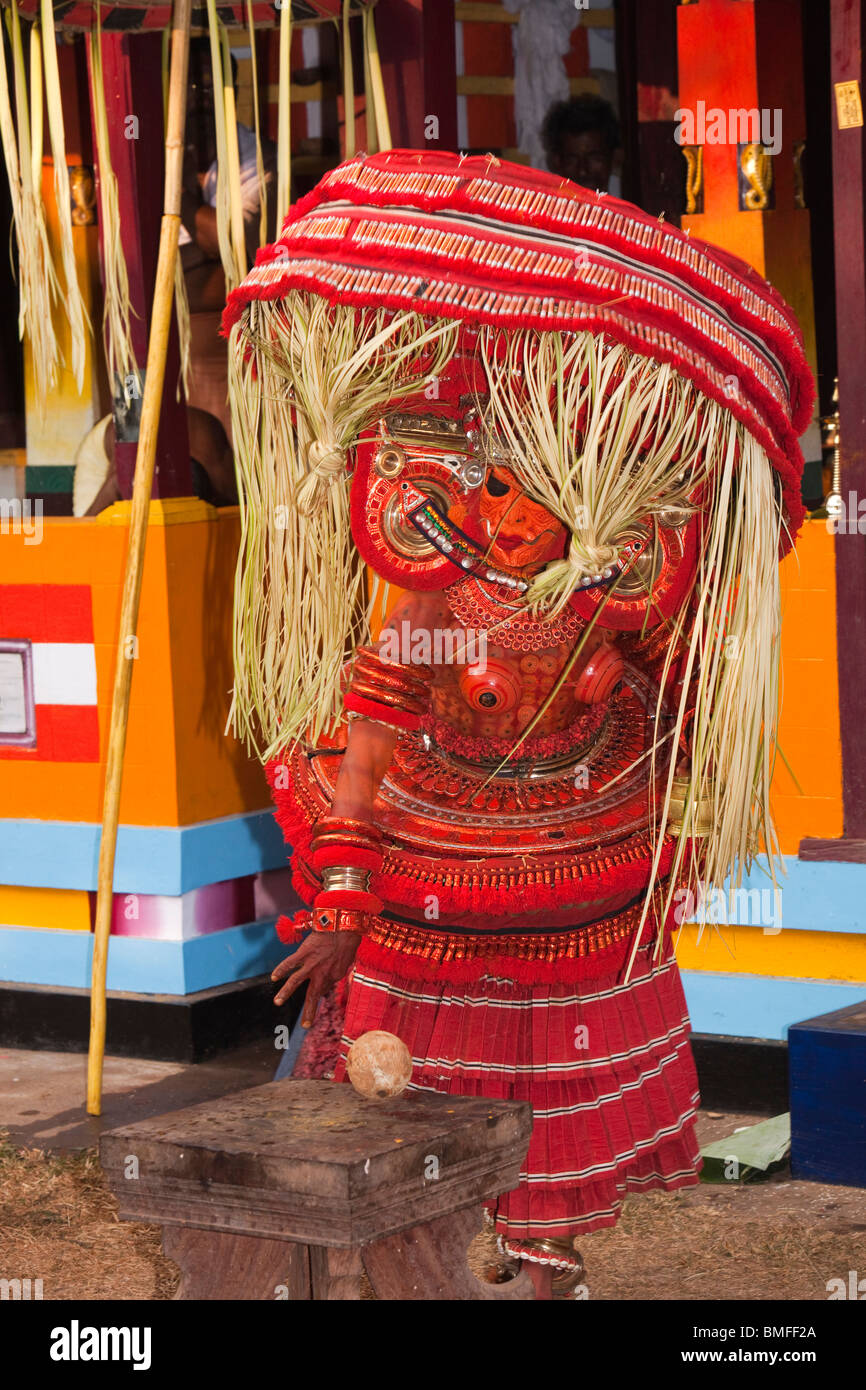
[
  {"x": 284, "y": 117},
  {"x": 145, "y": 459}
]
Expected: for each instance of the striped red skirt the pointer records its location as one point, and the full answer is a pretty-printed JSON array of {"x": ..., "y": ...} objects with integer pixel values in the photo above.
[{"x": 606, "y": 1066}]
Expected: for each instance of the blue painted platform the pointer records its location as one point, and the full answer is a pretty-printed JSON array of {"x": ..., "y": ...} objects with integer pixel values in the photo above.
[
  {"x": 137, "y": 965},
  {"x": 760, "y": 1006},
  {"x": 150, "y": 859}
]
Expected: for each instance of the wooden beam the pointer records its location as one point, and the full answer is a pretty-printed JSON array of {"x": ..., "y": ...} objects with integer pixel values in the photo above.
[
  {"x": 469, "y": 12},
  {"x": 440, "y": 73},
  {"x": 417, "y": 51},
  {"x": 487, "y": 85}
]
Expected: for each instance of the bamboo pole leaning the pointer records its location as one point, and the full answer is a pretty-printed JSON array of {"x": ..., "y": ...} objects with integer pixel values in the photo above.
[{"x": 142, "y": 484}]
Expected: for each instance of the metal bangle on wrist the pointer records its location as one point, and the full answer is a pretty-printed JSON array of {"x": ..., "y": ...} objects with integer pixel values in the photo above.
[{"x": 334, "y": 919}]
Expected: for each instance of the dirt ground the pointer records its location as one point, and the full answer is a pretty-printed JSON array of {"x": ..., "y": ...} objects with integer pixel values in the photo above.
[{"x": 772, "y": 1240}]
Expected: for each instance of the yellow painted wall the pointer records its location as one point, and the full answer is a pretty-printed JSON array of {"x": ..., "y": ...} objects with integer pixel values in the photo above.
[
  {"x": 794, "y": 955},
  {"x": 53, "y": 908}
]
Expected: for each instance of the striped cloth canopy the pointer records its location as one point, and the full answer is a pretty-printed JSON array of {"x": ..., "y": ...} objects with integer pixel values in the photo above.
[{"x": 130, "y": 16}]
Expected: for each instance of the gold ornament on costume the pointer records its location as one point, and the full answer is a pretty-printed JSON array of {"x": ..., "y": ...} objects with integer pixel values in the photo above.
[{"x": 701, "y": 822}]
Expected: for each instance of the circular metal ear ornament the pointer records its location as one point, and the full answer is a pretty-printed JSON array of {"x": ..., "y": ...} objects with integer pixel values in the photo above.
[
  {"x": 405, "y": 538},
  {"x": 390, "y": 542},
  {"x": 471, "y": 473},
  {"x": 389, "y": 461},
  {"x": 652, "y": 586}
]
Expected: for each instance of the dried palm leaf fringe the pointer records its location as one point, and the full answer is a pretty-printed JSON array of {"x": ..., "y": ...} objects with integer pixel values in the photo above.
[
  {"x": 648, "y": 441},
  {"x": 76, "y": 313},
  {"x": 39, "y": 286},
  {"x": 305, "y": 378}
]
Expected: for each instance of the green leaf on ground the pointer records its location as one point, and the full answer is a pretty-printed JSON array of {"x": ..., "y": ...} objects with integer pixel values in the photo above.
[{"x": 750, "y": 1154}]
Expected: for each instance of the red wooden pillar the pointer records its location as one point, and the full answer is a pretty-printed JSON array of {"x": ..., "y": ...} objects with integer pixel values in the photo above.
[
  {"x": 646, "y": 45},
  {"x": 132, "y": 67},
  {"x": 849, "y": 202},
  {"x": 419, "y": 68}
]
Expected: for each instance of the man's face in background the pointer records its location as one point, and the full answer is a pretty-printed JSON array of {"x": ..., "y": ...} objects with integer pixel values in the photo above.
[{"x": 585, "y": 158}]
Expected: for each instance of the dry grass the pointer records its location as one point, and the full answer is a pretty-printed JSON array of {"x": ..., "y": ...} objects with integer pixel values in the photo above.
[
  {"x": 58, "y": 1223},
  {"x": 762, "y": 1241},
  {"x": 776, "y": 1240}
]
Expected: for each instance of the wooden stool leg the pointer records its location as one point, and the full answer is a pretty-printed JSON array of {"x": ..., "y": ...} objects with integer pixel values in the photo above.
[
  {"x": 429, "y": 1262},
  {"x": 335, "y": 1274},
  {"x": 216, "y": 1265}
]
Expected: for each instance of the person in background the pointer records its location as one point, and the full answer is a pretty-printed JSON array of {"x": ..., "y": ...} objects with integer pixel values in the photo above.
[{"x": 581, "y": 139}]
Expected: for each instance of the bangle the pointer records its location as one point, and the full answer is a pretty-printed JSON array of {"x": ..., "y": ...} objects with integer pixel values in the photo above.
[
  {"x": 333, "y": 919},
  {"x": 365, "y": 708},
  {"x": 341, "y": 827},
  {"x": 390, "y": 692},
  {"x": 348, "y": 845},
  {"x": 343, "y": 885}
]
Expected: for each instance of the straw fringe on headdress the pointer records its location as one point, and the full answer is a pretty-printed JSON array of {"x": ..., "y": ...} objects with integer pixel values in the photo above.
[{"x": 628, "y": 370}]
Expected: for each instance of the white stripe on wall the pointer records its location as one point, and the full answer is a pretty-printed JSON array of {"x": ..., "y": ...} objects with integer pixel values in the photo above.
[{"x": 64, "y": 673}]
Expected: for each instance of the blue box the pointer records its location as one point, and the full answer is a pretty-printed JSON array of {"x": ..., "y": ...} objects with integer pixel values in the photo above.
[{"x": 827, "y": 1062}]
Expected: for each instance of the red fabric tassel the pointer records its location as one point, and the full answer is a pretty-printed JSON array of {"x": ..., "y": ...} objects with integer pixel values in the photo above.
[
  {"x": 350, "y": 855},
  {"x": 395, "y": 889},
  {"x": 567, "y": 970},
  {"x": 291, "y": 930},
  {"x": 347, "y": 897}
]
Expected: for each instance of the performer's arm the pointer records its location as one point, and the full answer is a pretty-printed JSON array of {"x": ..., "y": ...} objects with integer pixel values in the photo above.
[
  {"x": 368, "y": 755},
  {"x": 383, "y": 698}
]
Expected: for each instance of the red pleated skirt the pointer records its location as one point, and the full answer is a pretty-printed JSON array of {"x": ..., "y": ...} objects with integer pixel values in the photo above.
[{"x": 606, "y": 1066}]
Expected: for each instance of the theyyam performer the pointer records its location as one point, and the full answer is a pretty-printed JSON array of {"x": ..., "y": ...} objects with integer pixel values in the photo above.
[{"x": 567, "y": 435}]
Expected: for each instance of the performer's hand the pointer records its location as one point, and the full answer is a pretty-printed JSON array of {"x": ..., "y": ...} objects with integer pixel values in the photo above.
[{"x": 323, "y": 958}]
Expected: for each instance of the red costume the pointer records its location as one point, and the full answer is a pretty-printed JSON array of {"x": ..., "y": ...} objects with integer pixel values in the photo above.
[{"x": 569, "y": 434}]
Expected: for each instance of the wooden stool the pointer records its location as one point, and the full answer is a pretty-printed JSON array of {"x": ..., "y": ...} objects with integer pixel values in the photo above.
[{"x": 285, "y": 1190}]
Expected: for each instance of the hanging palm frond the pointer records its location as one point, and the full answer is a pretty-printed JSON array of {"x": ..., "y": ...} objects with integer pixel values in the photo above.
[
  {"x": 39, "y": 287},
  {"x": 79, "y": 321},
  {"x": 117, "y": 310},
  {"x": 309, "y": 376}
]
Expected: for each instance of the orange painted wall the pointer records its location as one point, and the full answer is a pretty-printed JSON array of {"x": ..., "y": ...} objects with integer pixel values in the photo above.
[
  {"x": 809, "y": 726},
  {"x": 180, "y": 767}
]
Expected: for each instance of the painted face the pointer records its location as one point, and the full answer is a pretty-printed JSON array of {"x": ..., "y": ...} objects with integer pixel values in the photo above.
[{"x": 520, "y": 533}]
